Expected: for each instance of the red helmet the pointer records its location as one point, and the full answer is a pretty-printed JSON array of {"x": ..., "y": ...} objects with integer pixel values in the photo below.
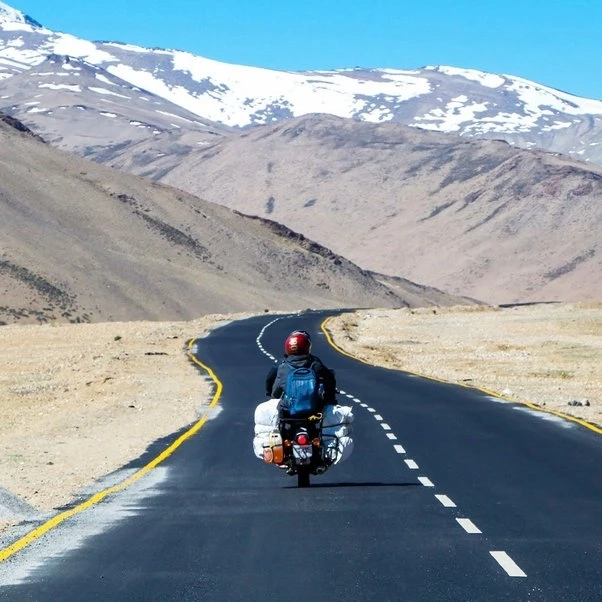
[{"x": 297, "y": 343}]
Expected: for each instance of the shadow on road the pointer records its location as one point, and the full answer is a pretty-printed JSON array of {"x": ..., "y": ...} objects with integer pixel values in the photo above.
[{"x": 357, "y": 484}]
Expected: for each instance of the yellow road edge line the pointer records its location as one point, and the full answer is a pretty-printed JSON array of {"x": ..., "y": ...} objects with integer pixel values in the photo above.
[
  {"x": 533, "y": 406},
  {"x": 32, "y": 536}
]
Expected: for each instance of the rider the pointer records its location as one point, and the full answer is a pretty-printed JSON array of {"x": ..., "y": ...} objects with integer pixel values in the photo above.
[{"x": 297, "y": 354}]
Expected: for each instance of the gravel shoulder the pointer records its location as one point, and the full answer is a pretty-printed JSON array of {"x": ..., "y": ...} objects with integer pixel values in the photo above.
[{"x": 82, "y": 400}]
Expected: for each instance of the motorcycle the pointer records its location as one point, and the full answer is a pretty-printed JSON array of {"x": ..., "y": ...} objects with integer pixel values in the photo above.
[{"x": 303, "y": 448}]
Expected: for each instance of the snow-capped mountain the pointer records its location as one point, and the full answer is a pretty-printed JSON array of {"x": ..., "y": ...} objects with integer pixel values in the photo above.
[
  {"x": 446, "y": 99},
  {"x": 81, "y": 108}
]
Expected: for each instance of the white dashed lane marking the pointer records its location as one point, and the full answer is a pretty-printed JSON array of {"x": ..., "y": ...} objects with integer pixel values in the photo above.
[
  {"x": 501, "y": 557},
  {"x": 446, "y": 501},
  {"x": 508, "y": 564},
  {"x": 468, "y": 525}
]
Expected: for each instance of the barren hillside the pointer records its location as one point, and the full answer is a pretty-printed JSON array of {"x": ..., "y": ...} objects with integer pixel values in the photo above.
[
  {"x": 477, "y": 218},
  {"x": 82, "y": 242}
]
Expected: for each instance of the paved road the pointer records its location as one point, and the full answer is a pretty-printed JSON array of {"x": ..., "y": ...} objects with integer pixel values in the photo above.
[{"x": 449, "y": 495}]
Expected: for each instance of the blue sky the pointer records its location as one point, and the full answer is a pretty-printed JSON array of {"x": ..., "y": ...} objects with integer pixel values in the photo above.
[{"x": 557, "y": 43}]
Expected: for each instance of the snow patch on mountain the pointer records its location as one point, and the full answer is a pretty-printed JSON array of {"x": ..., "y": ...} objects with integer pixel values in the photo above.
[
  {"x": 106, "y": 92},
  {"x": 83, "y": 49},
  {"x": 489, "y": 80},
  {"x": 61, "y": 87},
  {"x": 536, "y": 97},
  {"x": 12, "y": 19},
  {"x": 451, "y": 118}
]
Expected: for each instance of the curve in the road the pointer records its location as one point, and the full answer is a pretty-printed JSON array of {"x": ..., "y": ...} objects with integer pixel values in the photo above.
[
  {"x": 55, "y": 521},
  {"x": 502, "y": 557},
  {"x": 533, "y": 406}
]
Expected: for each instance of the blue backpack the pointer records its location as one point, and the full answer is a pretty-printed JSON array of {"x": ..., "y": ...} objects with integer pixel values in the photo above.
[{"x": 302, "y": 392}]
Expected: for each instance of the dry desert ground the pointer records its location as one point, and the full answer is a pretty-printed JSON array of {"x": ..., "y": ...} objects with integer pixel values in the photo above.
[{"x": 81, "y": 400}]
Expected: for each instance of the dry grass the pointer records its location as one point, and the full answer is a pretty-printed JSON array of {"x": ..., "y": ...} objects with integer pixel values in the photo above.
[
  {"x": 82, "y": 400},
  {"x": 550, "y": 355}
]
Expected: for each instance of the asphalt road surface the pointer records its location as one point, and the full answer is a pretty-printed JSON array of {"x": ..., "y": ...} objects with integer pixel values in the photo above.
[{"x": 450, "y": 494}]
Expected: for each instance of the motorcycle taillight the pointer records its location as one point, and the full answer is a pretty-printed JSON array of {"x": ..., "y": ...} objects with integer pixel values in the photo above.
[{"x": 302, "y": 439}]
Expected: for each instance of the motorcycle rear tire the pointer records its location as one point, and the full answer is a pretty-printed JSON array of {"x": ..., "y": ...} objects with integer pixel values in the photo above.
[{"x": 303, "y": 478}]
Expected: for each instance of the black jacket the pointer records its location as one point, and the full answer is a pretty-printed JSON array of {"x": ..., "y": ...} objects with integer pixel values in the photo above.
[{"x": 276, "y": 378}]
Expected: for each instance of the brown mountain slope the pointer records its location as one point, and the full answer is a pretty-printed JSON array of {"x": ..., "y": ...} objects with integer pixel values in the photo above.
[
  {"x": 477, "y": 218},
  {"x": 82, "y": 242}
]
